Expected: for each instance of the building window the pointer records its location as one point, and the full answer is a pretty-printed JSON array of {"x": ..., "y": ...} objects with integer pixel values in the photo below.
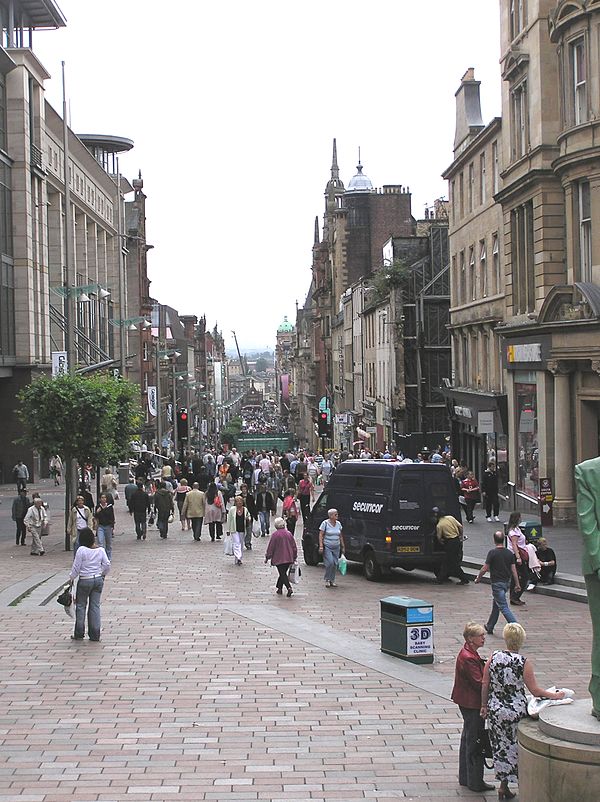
[
  {"x": 579, "y": 80},
  {"x": 585, "y": 230},
  {"x": 2, "y": 112},
  {"x": 520, "y": 120},
  {"x": 145, "y": 351},
  {"x": 453, "y": 200},
  {"x": 518, "y": 17},
  {"x": 496, "y": 168},
  {"x": 473, "y": 293},
  {"x": 527, "y": 438},
  {"x": 461, "y": 195},
  {"x": 482, "y": 177},
  {"x": 465, "y": 359},
  {"x": 523, "y": 280},
  {"x": 496, "y": 264},
  {"x": 483, "y": 268},
  {"x": 454, "y": 279},
  {"x": 462, "y": 294},
  {"x": 470, "y": 187}
]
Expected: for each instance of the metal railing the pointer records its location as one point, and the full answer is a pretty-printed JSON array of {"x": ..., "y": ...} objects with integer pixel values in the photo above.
[
  {"x": 88, "y": 353},
  {"x": 36, "y": 156}
]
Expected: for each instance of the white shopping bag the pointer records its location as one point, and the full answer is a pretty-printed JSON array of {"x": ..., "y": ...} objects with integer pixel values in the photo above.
[
  {"x": 228, "y": 546},
  {"x": 295, "y": 573}
]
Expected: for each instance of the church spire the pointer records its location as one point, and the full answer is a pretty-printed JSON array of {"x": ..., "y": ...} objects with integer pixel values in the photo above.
[
  {"x": 335, "y": 172},
  {"x": 316, "y": 242}
]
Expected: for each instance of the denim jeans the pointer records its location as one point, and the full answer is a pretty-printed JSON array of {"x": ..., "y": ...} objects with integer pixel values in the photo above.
[
  {"x": 331, "y": 555},
  {"x": 263, "y": 516},
  {"x": 104, "y": 537},
  {"x": 88, "y": 596},
  {"x": 141, "y": 525},
  {"x": 162, "y": 522},
  {"x": 197, "y": 527},
  {"x": 500, "y": 605}
]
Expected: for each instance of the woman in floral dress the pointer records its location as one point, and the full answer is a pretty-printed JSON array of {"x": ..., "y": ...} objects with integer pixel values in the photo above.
[{"x": 504, "y": 703}]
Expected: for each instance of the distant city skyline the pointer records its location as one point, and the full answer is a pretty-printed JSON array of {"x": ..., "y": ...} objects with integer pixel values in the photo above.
[{"x": 234, "y": 138}]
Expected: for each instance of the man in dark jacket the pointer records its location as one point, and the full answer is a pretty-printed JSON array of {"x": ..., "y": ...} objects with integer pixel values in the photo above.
[
  {"x": 163, "y": 504},
  {"x": 139, "y": 507},
  {"x": 489, "y": 488},
  {"x": 20, "y": 506},
  {"x": 265, "y": 504}
]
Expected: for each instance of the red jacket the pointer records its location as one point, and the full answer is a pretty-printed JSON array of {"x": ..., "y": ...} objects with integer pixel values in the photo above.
[
  {"x": 468, "y": 677},
  {"x": 470, "y": 488}
]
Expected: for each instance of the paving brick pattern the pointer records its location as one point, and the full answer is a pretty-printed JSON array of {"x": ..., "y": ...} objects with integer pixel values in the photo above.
[{"x": 185, "y": 700}]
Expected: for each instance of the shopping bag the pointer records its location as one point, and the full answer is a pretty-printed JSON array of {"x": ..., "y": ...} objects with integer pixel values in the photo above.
[
  {"x": 294, "y": 573},
  {"x": 170, "y": 519},
  {"x": 256, "y": 528},
  {"x": 228, "y": 546},
  {"x": 342, "y": 565}
]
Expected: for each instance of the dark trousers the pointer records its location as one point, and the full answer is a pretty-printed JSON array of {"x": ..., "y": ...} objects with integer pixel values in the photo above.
[
  {"x": 304, "y": 506},
  {"x": 523, "y": 574},
  {"x": 283, "y": 578},
  {"x": 197, "y": 527},
  {"x": 491, "y": 503},
  {"x": 219, "y": 528},
  {"x": 21, "y": 530},
  {"x": 21, "y": 484},
  {"x": 162, "y": 522},
  {"x": 452, "y": 565},
  {"x": 470, "y": 758},
  {"x": 291, "y": 524},
  {"x": 470, "y": 505},
  {"x": 140, "y": 527}
]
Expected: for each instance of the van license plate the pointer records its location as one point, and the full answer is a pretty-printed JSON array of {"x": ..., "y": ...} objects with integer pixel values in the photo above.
[{"x": 411, "y": 549}]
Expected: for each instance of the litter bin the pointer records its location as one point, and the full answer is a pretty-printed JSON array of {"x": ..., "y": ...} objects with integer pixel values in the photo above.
[
  {"x": 407, "y": 628},
  {"x": 123, "y": 472}
]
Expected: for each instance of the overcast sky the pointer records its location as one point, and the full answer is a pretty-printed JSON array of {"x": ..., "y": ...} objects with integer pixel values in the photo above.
[{"x": 233, "y": 107}]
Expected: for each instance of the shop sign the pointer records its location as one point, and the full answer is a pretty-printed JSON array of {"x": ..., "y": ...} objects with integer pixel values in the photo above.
[
  {"x": 420, "y": 640},
  {"x": 524, "y": 352},
  {"x": 546, "y": 494},
  {"x": 464, "y": 412},
  {"x": 341, "y": 418},
  {"x": 485, "y": 422}
]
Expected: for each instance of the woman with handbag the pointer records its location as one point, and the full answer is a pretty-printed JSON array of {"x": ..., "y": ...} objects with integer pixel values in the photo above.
[
  {"x": 237, "y": 521},
  {"x": 466, "y": 693},
  {"x": 289, "y": 510},
  {"x": 504, "y": 704},
  {"x": 283, "y": 552},
  {"x": 472, "y": 494},
  {"x": 213, "y": 514},
  {"x": 516, "y": 542},
  {"x": 91, "y": 566},
  {"x": 80, "y": 517}
]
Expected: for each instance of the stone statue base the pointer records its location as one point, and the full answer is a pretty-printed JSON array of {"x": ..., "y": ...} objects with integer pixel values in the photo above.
[{"x": 559, "y": 755}]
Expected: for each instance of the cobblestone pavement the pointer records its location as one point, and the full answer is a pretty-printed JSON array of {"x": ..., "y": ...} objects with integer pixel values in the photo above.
[{"x": 208, "y": 686}]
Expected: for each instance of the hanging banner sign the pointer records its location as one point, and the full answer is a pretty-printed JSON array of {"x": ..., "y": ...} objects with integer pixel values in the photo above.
[
  {"x": 152, "y": 401},
  {"x": 60, "y": 364}
]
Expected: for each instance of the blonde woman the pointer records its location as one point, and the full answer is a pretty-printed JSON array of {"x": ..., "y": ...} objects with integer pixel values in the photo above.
[
  {"x": 504, "y": 704},
  {"x": 238, "y": 519}
]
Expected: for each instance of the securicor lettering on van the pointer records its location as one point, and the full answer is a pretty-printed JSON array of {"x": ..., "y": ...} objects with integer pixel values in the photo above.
[
  {"x": 408, "y": 528},
  {"x": 367, "y": 506}
]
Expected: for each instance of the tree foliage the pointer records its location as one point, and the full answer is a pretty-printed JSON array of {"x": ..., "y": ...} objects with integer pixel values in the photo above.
[
  {"x": 390, "y": 276},
  {"x": 230, "y": 432},
  {"x": 261, "y": 364},
  {"x": 90, "y": 419}
]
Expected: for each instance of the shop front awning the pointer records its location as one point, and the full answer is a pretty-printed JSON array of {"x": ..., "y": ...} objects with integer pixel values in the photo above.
[{"x": 485, "y": 412}]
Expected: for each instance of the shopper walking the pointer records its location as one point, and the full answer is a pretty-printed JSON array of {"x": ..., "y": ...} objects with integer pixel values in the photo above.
[
  {"x": 56, "y": 468},
  {"x": 214, "y": 511},
  {"x": 500, "y": 562},
  {"x": 163, "y": 504},
  {"x": 265, "y": 505},
  {"x": 90, "y": 566},
  {"x": 489, "y": 490},
  {"x": 283, "y": 552},
  {"x": 449, "y": 532},
  {"x": 193, "y": 509},
  {"x": 21, "y": 475},
  {"x": 305, "y": 490},
  {"x": 466, "y": 693},
  {"x": 180, "y": 495},
  {"x": 104, "y": 518},
  {"x": 331, "y": 545},
  {"x": 469, "y": 487},
  {"x": 237, "y": 521},
  {"x": 289, "y": 510},
  {"x": 80, "y": 517},
  {"x": 139, "y": 507},
  {"x": 20, "y": 506},
  {"x": 35, "y": 519}
]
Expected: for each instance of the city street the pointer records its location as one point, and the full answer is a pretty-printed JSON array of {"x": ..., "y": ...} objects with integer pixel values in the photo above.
[{"x": 208, "y": 686}]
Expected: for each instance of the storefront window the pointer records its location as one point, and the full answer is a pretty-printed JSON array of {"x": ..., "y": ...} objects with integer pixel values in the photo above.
[{"x": 527, "y": 438}]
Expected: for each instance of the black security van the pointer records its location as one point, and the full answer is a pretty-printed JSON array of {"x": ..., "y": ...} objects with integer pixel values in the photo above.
[{"x": 387, "y": 513}]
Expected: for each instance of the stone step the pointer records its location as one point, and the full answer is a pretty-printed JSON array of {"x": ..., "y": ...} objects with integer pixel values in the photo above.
[{"x": 566, "y": 586}]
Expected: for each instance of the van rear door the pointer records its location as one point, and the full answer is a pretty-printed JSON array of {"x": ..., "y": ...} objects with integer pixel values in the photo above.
[{"x": 410, "y": 525}]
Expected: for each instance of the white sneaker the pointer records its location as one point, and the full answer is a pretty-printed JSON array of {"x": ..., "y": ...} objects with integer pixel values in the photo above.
[
  {"x": 488, "y": 519},
  {"x": 496, "y": 518},
  {"x": 531, "y": 586}
]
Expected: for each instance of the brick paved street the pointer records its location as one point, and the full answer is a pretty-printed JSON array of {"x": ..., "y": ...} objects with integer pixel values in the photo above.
[{"x": 208, "y": 686}]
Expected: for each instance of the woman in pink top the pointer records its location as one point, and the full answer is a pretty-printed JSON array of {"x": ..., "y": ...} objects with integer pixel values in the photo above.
[
  {"x": 516, "y": 542},
  {"x": 282, "y": 551}
]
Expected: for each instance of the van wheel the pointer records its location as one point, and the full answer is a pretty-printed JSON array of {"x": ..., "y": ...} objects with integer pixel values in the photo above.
[
  {"x": 371, "y": 567},
  {"x": 311, "y": 552}
]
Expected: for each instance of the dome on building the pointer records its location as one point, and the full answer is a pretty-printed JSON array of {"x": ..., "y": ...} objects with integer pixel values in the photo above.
[
  {"x": 286, "y": 326},
  {"x": 359, "y": 182}
]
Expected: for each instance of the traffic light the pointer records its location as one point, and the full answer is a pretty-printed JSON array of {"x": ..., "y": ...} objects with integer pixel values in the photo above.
[
  {"x": 323, "y": 424},
  {"x": 182, "y": 424}
]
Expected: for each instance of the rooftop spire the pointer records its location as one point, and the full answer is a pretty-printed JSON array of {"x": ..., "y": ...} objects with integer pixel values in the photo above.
[
  {"x": 316, "y": 230},
  {"x": 335, "y": 171}
]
